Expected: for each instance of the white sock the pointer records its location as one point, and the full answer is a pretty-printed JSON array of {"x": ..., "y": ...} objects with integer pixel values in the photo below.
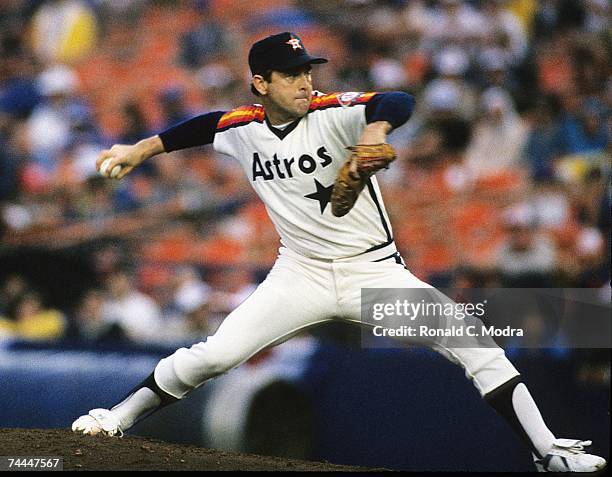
[
  {"x": 135, "y": 406},
  {"x": 531, "y": 420}
]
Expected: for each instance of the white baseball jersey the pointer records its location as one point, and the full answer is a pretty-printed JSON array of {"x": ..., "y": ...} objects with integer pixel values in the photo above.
[
  {"x": 325, "y": 261},
  {"x": 293, "y": 171}
]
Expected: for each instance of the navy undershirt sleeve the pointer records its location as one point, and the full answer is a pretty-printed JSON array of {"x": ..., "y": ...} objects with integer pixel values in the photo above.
[
  {"x": 396, "y": 107},
  {"x": 193, "y": 132}
]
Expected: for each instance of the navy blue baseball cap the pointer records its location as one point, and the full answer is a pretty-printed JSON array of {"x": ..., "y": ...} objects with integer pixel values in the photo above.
[{"x": 280, "y": 52}]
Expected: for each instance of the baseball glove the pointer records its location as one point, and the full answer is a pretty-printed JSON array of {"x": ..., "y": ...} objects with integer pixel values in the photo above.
[{"x": 365, "y": 160}]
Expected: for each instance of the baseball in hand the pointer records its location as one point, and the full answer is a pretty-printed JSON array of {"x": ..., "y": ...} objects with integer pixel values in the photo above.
[{"x": 105, "y": 165}]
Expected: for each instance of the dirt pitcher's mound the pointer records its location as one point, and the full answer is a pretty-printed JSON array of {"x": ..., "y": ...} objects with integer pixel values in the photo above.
[{"x": 132, "y": 453}]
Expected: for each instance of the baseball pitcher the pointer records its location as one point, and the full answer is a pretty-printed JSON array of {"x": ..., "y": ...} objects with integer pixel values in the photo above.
[{"x": 311, "y": 158}]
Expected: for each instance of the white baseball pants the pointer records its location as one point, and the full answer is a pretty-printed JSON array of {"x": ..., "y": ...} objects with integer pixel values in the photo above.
[{"x": 299, "y": 293}]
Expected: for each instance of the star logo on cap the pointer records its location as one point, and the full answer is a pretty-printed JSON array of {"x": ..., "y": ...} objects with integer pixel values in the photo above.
[{"x": 295, "y": 43}]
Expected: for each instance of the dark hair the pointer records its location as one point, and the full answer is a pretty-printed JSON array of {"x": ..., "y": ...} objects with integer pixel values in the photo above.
[
  {"x": 267, "y": 75},
  {"x": 13, "y": 306}
]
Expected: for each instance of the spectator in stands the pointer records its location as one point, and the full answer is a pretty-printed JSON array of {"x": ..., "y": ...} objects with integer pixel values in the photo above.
[
  {"x": 84, "y": 147},
  {"x": 454, "y": 22},
  {"x": 204, "y": 42},
  {"x": 545, "y": 19},
  {"x": 499, "y": 136},
  {"x": 133, "y": 311},
  {"x": 527, "y": 258},
  {"x": 451, "y": 65},
  {"x": 543, "y": 144},
  {"x": 19, "y": 93},
  {"x": 571, "y": 15},
  {"x": 387, "y": 73},
  {"x": 28, "y": 319},
  {"x": 135, "y": 123},
  {"x": 106, "y": 258},
  {"x": 492, "y": 65},
  {"x": 597, "y": 15},
  {"x": 197, "y": 323},
  {"x": 505, "y": 29},
  {"x": 50, "y": 124},
  {"x": 13, "y": 287},
  {"x": 441, "y": 139},
  {"x": 417, "y": 17},
  {"x": 231, "y": 287},
  {"x": 186, "y": 313},
  {"x": 585, "y": 132},
  {"x": 200, "y": 322},
  {"x": 190, "y": 290},
  {"x": 594, "y": 270},
  {"x": 63, "y": 30},
  {"x": 552, "y": 207},
  {"x": 442, "y": 102},
  {"x": 88, "y": 324},
  {"x": 590, "y": 55},
  {"x": 220, "y": 84},
  {"x": 174, "y": 110}
]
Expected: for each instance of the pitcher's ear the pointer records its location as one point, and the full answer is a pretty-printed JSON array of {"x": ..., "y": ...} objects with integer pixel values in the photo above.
[{"x": 259, "y": 86}]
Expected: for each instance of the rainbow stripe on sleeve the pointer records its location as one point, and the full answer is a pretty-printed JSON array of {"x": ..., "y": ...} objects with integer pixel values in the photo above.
[
  {"x": 241, "y": 116},
  {"x": 335, "y": 100},
  {"x": 244, "y": 115}
]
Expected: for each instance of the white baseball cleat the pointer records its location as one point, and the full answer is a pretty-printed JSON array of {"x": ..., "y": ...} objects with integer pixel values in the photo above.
[
  {"x": 98, "y": 421},
  {"x": 567, "y": 455}
]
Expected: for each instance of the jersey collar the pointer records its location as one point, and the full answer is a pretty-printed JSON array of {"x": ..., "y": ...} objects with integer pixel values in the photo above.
[{"x": 282, "y": 133}]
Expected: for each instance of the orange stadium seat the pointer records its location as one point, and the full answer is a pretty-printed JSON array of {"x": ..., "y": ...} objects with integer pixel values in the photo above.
[
  {"x": 151, "y": 275},
  {"x": 477, "y": 230},
  {"x": 438, "y": 257},
  {"x": 241, "y": 9},
  {"x": 473, "y": 215},
  {"x": 502, "y": 182},
  {"x": 167, "y": 250},
  {"x": 411, "y": 232},
  {"x": 218, "y": 250},
  {"x": 566, "y": 236}
]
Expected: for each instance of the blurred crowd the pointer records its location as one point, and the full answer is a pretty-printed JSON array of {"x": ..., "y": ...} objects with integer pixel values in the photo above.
[
  {"x": 504, "y": 177},
  {"x": 185, "y": 309}
]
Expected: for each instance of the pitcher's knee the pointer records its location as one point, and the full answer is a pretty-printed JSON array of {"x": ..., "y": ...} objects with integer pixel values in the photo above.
[
  {"x": 492, "y": 370},
  {"x": 188, "y": 368}
]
